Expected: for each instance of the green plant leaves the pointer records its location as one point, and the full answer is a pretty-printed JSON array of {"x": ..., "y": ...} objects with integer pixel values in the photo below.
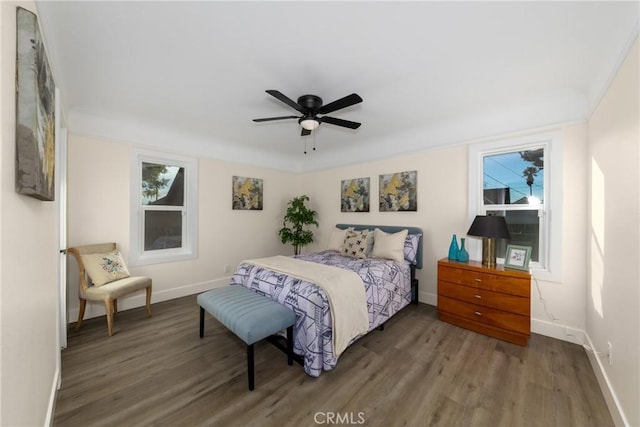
[{"x": 297, "y": 216}]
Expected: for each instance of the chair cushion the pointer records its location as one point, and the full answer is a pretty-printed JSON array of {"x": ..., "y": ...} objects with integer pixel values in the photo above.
[
  {"x": 117, "y": 288},
  {"x": 247, "y": 314},
  {"x": 104, "y": 268}
]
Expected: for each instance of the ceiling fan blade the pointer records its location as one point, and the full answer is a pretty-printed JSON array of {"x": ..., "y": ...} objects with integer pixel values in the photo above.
[
  {"x": 305, "y": 132},
  {"x": 340, "y": 122},
  {"x": 290, "y": 102},
  {"x": 267, "y": 119},
  {"x": 340, "y": 103}
]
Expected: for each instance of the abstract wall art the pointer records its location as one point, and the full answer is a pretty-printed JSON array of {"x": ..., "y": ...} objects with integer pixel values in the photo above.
[
  {"x": 247, "y": 193},
  {"x": 398, "y": 192},
  {"x": 35, "y": 112},
  {"x": 354, "y": 195}
]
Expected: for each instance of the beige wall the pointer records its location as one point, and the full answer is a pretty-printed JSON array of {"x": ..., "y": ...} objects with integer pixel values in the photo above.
[
  {"x": 613, "y": 295},
  {"x": 28, "y": 270},
  {"x": 99, "y": 207}
]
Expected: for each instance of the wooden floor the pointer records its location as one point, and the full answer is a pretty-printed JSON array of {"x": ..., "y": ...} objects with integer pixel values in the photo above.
[{"x": 417, "y": 372}]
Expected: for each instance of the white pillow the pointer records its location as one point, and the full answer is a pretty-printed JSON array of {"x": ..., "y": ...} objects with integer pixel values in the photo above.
[
  {"x": 336, "y": 240},
  {"x": 105, "y": 268},
  {"x": 389, "y": 246}
]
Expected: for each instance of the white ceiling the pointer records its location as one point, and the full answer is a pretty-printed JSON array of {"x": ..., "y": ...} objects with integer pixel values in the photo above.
[{"x": 190, "y": 76}]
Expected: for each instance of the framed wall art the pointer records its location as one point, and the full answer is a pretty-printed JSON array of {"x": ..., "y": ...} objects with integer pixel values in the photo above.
[
  {"x": 398, "y": 192},
  {"x": 517, "y": 257},
  {"x": 247, "y": 193},
  {"x": 35, "y": 112},
  {"x": 354, "y": 195}
]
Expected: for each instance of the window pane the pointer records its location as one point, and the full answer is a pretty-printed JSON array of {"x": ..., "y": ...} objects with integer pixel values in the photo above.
[
  {"x": 162, "y": 184},
  {"x": 524, "y": 228},
  {"x": 162, "y": 230},
  {"x": 514, "y": 178}
]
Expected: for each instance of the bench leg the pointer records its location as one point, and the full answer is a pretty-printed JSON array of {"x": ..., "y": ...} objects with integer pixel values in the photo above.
[
  {"x": 250, "y": 365},
  {"x": 201, "y": 322},
  {"x": 290, "y": 345}
]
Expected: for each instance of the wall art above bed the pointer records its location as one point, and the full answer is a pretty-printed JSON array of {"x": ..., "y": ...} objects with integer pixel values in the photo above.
[
  {"x": 398, "y": 192},
  {"x": 354, "y": 195},
  {"x": 247, "y": 193}
]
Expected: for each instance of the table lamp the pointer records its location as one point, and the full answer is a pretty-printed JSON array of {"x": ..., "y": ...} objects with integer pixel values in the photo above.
[{"x": 490, "y": 228}]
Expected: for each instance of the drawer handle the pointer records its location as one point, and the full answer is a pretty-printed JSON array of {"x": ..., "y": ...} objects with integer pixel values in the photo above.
[
  {"x": 478, "y": 296},
  {"x": 478, "y": 280},
  {"x": 477, "y": 313}
]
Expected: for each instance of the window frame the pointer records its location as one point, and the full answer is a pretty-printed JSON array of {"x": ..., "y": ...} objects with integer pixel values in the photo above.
[
  {"x": 189, "y": 250},
  {"x": 549, "y": 266}
]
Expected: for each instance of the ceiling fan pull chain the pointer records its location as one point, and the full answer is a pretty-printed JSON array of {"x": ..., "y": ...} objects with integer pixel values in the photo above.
[
  {"x": 305, "y": 145},
  {"x": 314, "y": 141}
]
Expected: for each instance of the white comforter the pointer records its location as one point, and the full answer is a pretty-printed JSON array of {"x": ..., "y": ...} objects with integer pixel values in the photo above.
[{"x": 344, "y": 289}]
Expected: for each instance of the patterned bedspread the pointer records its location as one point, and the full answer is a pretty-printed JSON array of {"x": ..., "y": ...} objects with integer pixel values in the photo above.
[{"x": 388, "y": 289}]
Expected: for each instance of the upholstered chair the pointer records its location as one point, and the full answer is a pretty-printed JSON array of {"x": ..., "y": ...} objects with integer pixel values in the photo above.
[{"x": 104, "y": 277}]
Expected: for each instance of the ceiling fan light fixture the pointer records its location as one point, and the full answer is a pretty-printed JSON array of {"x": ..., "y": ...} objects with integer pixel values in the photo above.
[{"x": 309, "y": 123}]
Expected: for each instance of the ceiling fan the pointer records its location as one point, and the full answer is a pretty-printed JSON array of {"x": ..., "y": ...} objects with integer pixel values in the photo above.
[{"x": 310, "y": 106}]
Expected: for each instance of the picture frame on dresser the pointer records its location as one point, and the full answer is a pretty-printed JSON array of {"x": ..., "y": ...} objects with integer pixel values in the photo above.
[{"x": 517, "y": 257}]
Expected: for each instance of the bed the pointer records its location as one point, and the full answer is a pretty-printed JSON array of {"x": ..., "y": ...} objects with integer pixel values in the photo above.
[{"x": 390, "y": 285}]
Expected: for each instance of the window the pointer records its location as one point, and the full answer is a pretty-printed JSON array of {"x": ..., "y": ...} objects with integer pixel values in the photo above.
[
  {"x": 164, "y": 209},
  {"x": 520, "y": 180}
]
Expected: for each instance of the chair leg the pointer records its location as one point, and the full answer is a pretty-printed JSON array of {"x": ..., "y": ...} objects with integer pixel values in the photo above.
[
  {"x": 109, "y": 307},
  {"x": 149, "y": 301},
  {"x": 83, "y": 305},
  {"x": 250, "y": 366},
  {"x": 115, "y": 306}
]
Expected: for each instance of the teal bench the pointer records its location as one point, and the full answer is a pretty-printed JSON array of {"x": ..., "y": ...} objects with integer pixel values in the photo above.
[{"x": 249, "y": 315}]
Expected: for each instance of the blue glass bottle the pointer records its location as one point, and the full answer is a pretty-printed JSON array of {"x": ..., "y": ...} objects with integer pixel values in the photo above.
[
  {"x": 463, "y": 255},
  {"x": 453, "y": 249}
]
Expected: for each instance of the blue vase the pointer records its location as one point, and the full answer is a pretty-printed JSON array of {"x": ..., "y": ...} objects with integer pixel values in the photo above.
[
  {"x": 453, "y": 249},
  {"x": 463, "y": 255}
]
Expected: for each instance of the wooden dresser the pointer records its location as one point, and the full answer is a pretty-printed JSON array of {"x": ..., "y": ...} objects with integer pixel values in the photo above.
[{"x": 492, "y": 301}]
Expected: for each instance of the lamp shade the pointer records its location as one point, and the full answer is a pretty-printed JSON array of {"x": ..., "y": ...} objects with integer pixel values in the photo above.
[
  {"x": 489, "y": 226},
  {"x": 309, "y": 123}
]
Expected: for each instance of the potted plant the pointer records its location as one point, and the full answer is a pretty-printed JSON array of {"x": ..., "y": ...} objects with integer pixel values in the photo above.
[{"x": 298, "y": 216}]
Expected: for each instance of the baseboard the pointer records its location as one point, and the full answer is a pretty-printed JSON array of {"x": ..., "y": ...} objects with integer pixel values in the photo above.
[
  {"x": 138, "y": 300},
  {"x": 558, "y": 331},
  {"x": 427, "y": 298},
  {"x": 51, "y": 408},
  {"x": 608, "y": 392}
]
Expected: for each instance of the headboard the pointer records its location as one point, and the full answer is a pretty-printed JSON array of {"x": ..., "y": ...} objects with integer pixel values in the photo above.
[{"x": 391, "y": 229}]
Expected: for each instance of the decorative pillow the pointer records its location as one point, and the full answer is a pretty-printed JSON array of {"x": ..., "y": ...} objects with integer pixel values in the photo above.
[
  {"x": 336, "y": 240},
  {"x": 105, "y": 268},
  {"x": 370, "y": 242},
  {"x": 355, "y": 244},
  {"x": 411, "y": 247},
  {"x": 389, "y": 246}
]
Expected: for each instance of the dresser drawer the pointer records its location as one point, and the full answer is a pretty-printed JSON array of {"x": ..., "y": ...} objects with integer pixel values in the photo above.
[
  {"x": 505, "y": 302},
  {"x": 485, "y": 315},
  {"x": 481, "y": 280}
]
